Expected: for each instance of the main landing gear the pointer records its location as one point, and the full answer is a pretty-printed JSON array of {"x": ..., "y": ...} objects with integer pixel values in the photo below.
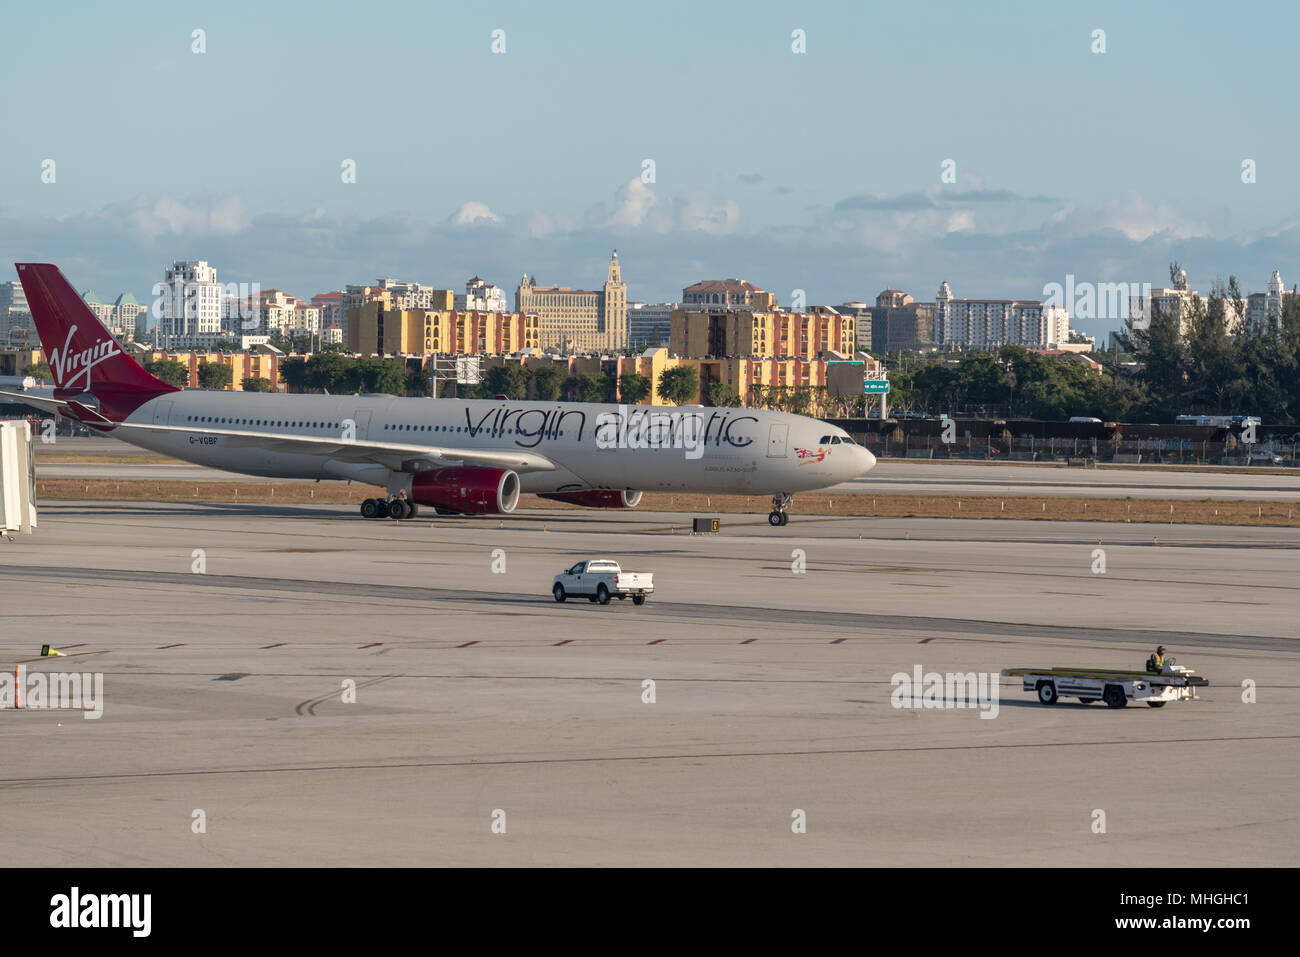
[
  {"x": 780, "y": 502},
  {"x": 395, "y": 508}
]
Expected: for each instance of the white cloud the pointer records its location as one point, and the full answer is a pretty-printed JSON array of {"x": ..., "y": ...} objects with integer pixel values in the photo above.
[
  {"x": 152, "y": 217},
  {"x": 473, "y": 212},
  {"x": 699, "y": 211},
  {"x": 963, "y": 220},
  {"x": 1134, "y": 216},
  {"x": 632, "y": 203}
]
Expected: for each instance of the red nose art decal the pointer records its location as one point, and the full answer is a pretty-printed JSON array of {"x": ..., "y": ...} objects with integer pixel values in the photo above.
[{"x": 809, "y": 457}]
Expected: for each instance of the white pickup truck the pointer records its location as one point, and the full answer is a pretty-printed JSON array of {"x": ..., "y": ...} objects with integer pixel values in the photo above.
[{"x": 600, "y": 579}]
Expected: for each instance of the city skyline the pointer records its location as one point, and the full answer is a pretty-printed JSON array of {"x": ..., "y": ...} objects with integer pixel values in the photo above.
[{"x": 997, "y": 178}]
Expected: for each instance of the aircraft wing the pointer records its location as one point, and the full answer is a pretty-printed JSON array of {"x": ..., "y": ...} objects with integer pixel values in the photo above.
[{"x": 399, "y": 457}]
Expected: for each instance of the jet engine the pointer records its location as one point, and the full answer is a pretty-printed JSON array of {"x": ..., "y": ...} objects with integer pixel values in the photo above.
[
  {"x": 597, "y": 498},
  {"x": 470, "y": 489}
]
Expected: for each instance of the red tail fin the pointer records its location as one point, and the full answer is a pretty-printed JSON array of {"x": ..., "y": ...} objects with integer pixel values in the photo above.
[{"x": 80, "y": 351}]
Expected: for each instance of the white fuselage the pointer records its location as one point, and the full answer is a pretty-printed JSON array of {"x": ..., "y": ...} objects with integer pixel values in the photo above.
[{"x": 731, "y": 450}]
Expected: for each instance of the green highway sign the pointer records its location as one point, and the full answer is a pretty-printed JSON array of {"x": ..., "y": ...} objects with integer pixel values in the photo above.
[{"x": 875, "y": 386}]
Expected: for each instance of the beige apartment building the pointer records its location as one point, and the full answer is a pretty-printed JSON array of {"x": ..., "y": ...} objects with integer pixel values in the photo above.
[
  {"x": 578, "y": 320},
  {"x": 376, "y": 329},
  {"x": 749, "y": 333}
]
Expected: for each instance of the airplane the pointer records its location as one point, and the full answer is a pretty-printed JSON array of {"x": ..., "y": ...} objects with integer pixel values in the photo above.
[{"x": 457, "y": 456}]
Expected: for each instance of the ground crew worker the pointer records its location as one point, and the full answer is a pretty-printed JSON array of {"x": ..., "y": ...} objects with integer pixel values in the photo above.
[{"x": 1156, "y": 663}]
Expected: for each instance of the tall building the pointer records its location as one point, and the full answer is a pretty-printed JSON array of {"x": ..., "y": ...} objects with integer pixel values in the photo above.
[
  {"x": 330, "y": 307},
  {"x": 649, "y": 324},
  {"x": 897, "y": 324},
  {"x": 721, "y": 293},
  {"x": 1177, "y": 301},
  {"x": 376, "y": 329},
  {"x": 1264, "y": 307},
  {"x": 730, "y": 332},
  {"x": 409, "y": 295},
  {"x": 908, "y": 328},
  {"x": 356, "y": 296},
  {"x": 121, "y": 316},
  {"x": 892, "y": 299},
  {"x": 862, "y": 322},
  {"x": 578, "y": 320},
  {"x": 280, "y": 314},
  {"x": 191, "y": 305},
  {"x": 481, "y": 296},
  {"x": 987, "y": 323},
  {"x": 16, "y": 326}
]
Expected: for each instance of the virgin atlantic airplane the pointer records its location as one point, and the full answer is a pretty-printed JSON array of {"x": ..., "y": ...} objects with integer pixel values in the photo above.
[{"x": 462, "y": 456}]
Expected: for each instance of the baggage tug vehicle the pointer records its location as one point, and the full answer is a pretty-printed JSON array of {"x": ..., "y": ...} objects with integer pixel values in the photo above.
[{"x": 1116, "y": 688}]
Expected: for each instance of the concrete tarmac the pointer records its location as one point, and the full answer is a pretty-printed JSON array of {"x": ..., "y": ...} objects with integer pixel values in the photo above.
[
  {"x": 889, "y": 477},
  {"x": 231, "y": 632}
]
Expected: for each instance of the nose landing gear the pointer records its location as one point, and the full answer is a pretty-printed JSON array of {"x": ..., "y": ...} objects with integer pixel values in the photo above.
[{"x": 780, "y": 502}]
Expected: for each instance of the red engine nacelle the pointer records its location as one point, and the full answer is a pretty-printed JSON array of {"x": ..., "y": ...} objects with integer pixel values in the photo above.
[
  {"x": 597, "y": 498},
  {"x": 473, "y": 490}
]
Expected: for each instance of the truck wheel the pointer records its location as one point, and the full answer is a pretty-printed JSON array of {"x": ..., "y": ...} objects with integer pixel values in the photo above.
[
  {"x": 1114, "y": 696},
  {"x": 1157, "y": 704},
  {"x": 558, "y": 592},
  {"x": 602, "y": 594},
  {"x": 1047, "y": 692},
  {"x": 1087, "y": 700},
  {"x": 638, "y": 599}
]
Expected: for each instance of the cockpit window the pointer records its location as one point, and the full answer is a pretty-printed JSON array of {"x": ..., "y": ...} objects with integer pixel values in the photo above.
[
  {"x": 824, "y": 440},
  {"x": 835, "y": 440}
]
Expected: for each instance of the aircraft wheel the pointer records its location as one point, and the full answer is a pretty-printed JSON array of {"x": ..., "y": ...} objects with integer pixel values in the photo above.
[
  {"x": 638, "y": 599},
  {"x": 397, "y": 508},
  {"x": 776, "y": 519},
  {"x": 370, "y": 508},
  {"x": 602, "y": 594},
  {"x": 1047, "y": 692},
  {"x": 785, "y": 518},
  {"x": 412, "y": 509},
  {"x": 558, "y": 592}
]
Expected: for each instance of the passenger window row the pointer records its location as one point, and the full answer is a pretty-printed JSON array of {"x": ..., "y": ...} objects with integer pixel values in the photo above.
[{"x": 269, "y": 423}]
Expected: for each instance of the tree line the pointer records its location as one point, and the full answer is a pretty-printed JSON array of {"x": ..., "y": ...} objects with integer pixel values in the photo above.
[{"x": 1202, "y": 362}]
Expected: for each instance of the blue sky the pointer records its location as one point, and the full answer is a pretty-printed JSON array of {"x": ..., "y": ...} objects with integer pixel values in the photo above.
[{"x": 817, "y": 171}]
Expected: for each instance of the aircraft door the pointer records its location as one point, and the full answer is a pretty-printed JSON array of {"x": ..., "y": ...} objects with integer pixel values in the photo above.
[
  {"x": 361, "y": 426},
  {"x": 162, "y": 413},
  {"x": 776, "y": 439}
]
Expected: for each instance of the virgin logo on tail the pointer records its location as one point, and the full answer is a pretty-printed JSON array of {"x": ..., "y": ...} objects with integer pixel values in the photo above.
[{"x": 78, "y": 364}]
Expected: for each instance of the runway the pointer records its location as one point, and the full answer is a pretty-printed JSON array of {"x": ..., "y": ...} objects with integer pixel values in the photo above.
[
  {"x": 1025, "y": 479},
  {"x": 477, "y": 694},
  {"x": 890, "y": 476}
]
